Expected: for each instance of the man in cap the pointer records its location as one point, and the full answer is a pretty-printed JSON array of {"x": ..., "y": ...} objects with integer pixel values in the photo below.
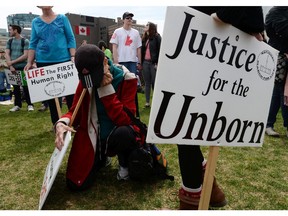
[
  {"x": 126, "y": 46},
  {"x": 103, "y": 127}
]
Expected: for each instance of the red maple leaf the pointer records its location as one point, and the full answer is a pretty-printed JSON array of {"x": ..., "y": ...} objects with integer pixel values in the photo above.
[
  {"x": 82, "y": 30},
  {"x": 128, "y": 41}
]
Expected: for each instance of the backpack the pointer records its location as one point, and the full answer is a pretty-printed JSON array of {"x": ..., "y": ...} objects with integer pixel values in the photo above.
[
  {"x": 147, "y": 161},
  {"x": 22, "y": 44}
]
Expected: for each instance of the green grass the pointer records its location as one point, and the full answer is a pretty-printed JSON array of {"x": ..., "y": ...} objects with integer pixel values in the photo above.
[{"x": 252, "y": 178}]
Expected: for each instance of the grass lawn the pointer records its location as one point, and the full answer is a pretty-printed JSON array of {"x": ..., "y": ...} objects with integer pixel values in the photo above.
[{"x": 252, "y": 178}]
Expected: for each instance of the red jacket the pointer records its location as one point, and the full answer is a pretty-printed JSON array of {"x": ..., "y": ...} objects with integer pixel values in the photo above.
[{"x": 81, "y": 158}]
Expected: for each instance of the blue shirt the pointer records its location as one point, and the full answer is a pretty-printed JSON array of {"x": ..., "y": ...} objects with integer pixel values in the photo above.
[{"x": 52, "y": 41}]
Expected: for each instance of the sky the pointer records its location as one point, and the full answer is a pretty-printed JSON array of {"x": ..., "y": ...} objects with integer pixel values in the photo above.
[
  {"x": 155, "y": 14},
  {"x": 144, "y": 11}
]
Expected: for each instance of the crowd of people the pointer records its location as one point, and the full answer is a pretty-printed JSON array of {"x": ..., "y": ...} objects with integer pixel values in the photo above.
[{"x": 104, "y": 129}]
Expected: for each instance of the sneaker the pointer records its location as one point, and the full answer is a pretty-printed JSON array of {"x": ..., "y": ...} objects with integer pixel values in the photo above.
[
  {"x": 271, "y": 132},
  {"x": 108, "y": 161},
  {"x": 147, "y": 105},
  {"x": 42, "y": 108},
  {"x": 30, "y": 108},
  {"x": 14, "y": 109},
  {"x": 123, "y": 173}
]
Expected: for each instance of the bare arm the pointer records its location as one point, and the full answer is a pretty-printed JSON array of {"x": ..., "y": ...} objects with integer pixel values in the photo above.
[
  {"x": 115, "y": 53},
  {"x": 72, "y": 53},
  {"x": 19, "y": 59},
  {"x": 30, "y": 60}
]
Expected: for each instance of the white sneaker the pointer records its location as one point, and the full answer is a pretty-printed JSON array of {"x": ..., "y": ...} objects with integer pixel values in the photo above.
[
  {"x": 270, "y": 132},
  {"x": 30, "y": 108},
  {"x": 108, "y": 161},
  {"x": 123, "y": 173},
  {"x": 14, "y": 109}
]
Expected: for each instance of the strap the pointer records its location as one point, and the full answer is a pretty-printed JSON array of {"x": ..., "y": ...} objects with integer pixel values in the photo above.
[{"x": 136, "y": 121}]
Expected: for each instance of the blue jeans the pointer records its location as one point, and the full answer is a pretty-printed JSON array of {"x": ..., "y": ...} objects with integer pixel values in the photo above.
[
  {"x": 3, "y": 80},
  {"x": 132, "y": 67},
  {"x": 277, "y": 101},
  {"x": 149, "y": 74}
]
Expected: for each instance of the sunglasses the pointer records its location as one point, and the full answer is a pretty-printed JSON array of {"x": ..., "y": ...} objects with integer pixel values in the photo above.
[{"x": 130, "y": 18}]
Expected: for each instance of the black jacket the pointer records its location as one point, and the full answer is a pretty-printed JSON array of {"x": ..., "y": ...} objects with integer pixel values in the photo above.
[
  {"x": 248, "y": 19},
  {"x": 155, "y": 43},
  {"x": 276, "y": 25}
]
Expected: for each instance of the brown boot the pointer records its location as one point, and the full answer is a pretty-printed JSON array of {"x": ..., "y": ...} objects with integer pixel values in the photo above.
[
  {"x": 217, "y": 198},
  {"x": 188, "y": 201}
]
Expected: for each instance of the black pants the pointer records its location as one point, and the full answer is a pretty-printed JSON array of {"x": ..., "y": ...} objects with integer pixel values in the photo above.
[
  {"x": 18, "y": 98},
  {"x": 122, "y": 141},
  {"x": 52, "y": 105},
  {"x": 190, "y": 162},
  {"x": 53, "y": 109}
]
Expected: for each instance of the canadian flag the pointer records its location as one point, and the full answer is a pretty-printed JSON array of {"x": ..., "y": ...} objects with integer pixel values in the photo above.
[{"x": 82, "y": 30}]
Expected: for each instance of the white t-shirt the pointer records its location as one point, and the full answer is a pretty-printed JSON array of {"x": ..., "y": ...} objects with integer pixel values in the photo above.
[{"x": 128, "y": 41}]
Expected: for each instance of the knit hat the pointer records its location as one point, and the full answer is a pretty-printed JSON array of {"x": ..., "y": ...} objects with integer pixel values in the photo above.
[{"x": 89, "y": 63}]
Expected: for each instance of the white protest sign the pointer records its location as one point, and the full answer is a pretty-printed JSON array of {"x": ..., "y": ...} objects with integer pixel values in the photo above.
[
  {"x": 15, "y": 78},
  {"x": 213, "y": 85},
  {"x": 52, "y": 169},
  {"x": 52, "y": 81}
]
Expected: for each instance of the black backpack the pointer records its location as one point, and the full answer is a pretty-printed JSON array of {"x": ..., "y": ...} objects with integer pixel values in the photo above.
[{"x": 147, "y": 161}]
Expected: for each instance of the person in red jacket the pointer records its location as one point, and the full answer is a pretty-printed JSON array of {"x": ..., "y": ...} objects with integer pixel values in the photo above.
[{"x": 102, "y": 126}]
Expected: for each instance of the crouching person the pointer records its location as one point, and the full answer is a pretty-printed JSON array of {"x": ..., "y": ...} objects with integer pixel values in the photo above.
[{"x": 102, "y": 127}]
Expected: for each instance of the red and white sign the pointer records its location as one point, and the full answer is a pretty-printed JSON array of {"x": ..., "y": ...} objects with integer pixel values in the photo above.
[
  {"x": 52, "y": 81},
  {"x": 82, "y": 30}
]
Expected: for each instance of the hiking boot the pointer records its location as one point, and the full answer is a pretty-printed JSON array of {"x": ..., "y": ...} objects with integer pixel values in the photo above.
[
  {"x": 188, "y": 200},
  {"x": 14, "y": 109},
  {"x": 123, "y": 173},
  {"x": 271, "y": 132}
]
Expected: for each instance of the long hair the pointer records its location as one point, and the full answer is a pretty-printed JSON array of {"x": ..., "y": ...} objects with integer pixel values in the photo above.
[{"x": 152, "y": 31}]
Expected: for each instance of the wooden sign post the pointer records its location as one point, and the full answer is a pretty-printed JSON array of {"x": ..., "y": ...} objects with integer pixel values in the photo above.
[{"x": 209, "y": 177}]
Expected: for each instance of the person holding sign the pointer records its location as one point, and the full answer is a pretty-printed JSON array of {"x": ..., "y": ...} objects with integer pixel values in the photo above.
[
  {"x": 16, "y": 56},
  {"x": 52, "y": 42},
  {"x": 277, "y": 30},
  {"x": 103, "y": 127},
  {"x": 191, "y": 161}
]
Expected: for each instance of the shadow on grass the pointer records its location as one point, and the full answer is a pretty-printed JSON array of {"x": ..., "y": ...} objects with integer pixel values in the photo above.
[{"x": 107, "y": 193}]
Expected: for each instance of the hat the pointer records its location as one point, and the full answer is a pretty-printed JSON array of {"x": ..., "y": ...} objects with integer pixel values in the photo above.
[
  {"x": 89, "y": 61},
  {"x": 126, "y": 14}
]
